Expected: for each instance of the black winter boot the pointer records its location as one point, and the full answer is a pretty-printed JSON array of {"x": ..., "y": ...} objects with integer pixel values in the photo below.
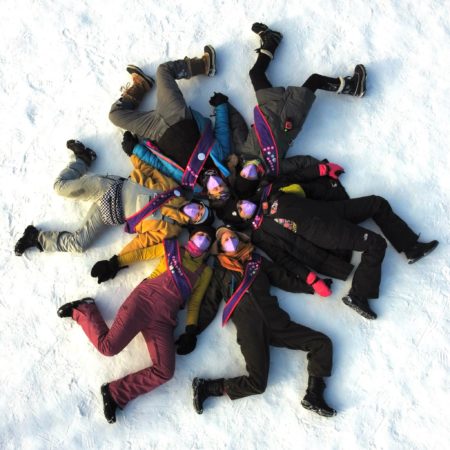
[
  {"x": 29, "y": 239},
  {"x": 81, "y": 151},
  {"x": 419, "y": 250},
  {"x": 66, "y": 310},
  {"x": 360, "y": 305},
  {"x": 354, "y": 85},
  {"x": 270, "y": 39},
  {"x": 109, "y": 404},
  {"x": 204, "y": 389},
  {"x": 314, "y": 401},
  {"x": 206, "y": 65}
]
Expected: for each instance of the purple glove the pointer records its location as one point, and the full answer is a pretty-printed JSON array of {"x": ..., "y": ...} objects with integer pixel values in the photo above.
[{"x": 330, "y": 169}]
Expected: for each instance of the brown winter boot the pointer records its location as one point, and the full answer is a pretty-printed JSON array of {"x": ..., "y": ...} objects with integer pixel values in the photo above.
[
  {"x": 141, "y": 83},
  {"x": 206, "y": 65}
]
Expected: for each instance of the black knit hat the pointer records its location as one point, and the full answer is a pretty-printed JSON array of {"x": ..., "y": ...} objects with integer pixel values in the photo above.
[
  {"x": 245, "y": 188},
  {"x": 210, "y": 231},
  {"x": 229, "y": 213}
]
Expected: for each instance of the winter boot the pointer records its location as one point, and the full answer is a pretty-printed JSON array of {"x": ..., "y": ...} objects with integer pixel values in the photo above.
[
  {"x": 66, "y": 310},
  {"x": 28, "y": 240},
  {"x": 419, "y": 250},
  {"x": 360, "y": 305},
  {"x": 269, "y": 39},
  {"x": 314, "y": 401},
  {"x": 354, "y": 85},
  {"x": 206, "y": 65},
  {"x": 84, "y": 153},
  {"x": 109, "y": 404},
  {"x": 141, "y": 83},
  {"x": 204, "y": 389}
]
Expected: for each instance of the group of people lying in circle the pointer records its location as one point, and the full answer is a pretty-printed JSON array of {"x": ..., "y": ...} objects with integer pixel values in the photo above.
[{"x": 188, "y": 175}]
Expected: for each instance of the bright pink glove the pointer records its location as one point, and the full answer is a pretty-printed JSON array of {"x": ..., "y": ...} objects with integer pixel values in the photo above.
[
  {"x": 319, "y": 286},
  {"x": 330, "y": 169}
]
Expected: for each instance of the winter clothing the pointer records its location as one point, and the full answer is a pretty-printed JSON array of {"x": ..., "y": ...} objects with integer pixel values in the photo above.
[
  {"x": 333, "y": 226},
  {"x": 151, "y": 309},
  {"x": 314, "y": 401},
  {"x": 134, "y": 92},
  {"x": 360, "y": 305},
  {"x": 173, "y": 128},
  {"x": 206, "y": 388},
  {"x": 109, "y": 405},
  {"x": 86, "y": 154},
  {"x": 106, "y": 270},
  {"x": 28, "y": 240},
  {"x": 114, "y": 199},
  {"x": 260, "y": 322},
  {"x": 419, "y": 250}
]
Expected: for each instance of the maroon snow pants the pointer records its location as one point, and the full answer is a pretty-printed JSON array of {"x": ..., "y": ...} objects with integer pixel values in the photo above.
[{"x": 151, "y": 309}]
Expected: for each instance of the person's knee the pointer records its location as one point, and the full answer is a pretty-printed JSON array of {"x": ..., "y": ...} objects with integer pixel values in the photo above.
[
  {"x": 164, "y": 373},
  {"x": 106, "y": 349},
  {"x": 377, "y": 243},
  {"x": 258, "y": 385},
  {"x": 381, "y": 205},
  {"x": 79, "y": 244}
]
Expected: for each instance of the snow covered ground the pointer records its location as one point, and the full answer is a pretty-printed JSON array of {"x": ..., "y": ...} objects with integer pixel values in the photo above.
[{"x": 62, "y": 64}]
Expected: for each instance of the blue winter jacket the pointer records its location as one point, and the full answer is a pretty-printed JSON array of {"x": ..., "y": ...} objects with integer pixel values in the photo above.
[{"x": 219, "y": 153}]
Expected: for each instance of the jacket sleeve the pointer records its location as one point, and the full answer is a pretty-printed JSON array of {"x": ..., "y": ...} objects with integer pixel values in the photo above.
[
  {"x": 152, "y": 160},
  {"x": 142, "y": 254},
  {"x": 284, "y": 279},
  {"x": 211, "y": 301},
  {"x": 238, "y": 129},
  {"x": 198, "y": 293},
  {"x": 222, "y": 131}
]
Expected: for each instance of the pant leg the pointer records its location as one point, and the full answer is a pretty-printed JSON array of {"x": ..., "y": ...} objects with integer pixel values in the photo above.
[
  {"x": 77, "y": 241},
  {"x": 160, "y": 344},
  {"x": 298, "y": 337},
  {"x": 73, "y": 182},
  {"x": 253, "y": 338},
  {"x": 377, "y": 208},
  {"x": 257, "y": 73},
  {"x": 337, "y": 234},
  {"x": 170, "y": 109},
  {"x": 129, "y": 321}
]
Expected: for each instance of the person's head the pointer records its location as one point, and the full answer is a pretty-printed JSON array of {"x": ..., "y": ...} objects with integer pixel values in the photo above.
[
  {"x": 248, "y": 178},
  {"x": 198, "y": 213},
  {"x": 227, "y": 239},
  {"x": 246, "y": 209},
  {"x": 215, "y": 185},
  {"x": 201, "y": 236}
]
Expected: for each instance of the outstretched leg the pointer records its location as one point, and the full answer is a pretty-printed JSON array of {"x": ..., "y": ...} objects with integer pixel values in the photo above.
[{"x": 354, "y": 85}]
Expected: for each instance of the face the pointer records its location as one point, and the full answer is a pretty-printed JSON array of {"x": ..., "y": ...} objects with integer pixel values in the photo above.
[
  {"x": 201, "y": 239},
  {"x": 227, "y": 236},
  {"x": 218, "y": 192},
  {"x": 201, "y": 234},
  {"x": 199, "y": 215},
  {"x": 242, "y": 213}
]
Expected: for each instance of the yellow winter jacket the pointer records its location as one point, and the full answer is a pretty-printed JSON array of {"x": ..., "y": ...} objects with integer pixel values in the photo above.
[
  {"x": 151, "y": 231},
  {"x": 189, "y": 263}
]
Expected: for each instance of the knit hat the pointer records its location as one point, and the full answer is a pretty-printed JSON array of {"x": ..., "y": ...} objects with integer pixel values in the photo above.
[
  {"x": 245, "y": 188},
  {"x": 229, "y": 213},
  {"x": 210, "y": 231}
]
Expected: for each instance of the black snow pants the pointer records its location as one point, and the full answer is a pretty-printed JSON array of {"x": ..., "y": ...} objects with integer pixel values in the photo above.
[
  {"x": 332, "y": 225},
  {"x": 256, "y": 331}
]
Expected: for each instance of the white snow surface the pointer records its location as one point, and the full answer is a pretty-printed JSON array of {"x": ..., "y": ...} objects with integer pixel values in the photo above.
[{"x": 62, "y": 64}]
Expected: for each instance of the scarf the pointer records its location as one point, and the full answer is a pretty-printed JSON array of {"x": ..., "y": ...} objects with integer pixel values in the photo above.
[{"x": 236, "y": 261}]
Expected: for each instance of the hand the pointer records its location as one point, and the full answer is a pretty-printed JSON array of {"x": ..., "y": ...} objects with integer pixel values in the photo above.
[
  {"x": 321, "y": 287},
  {"x": 129, "y": 141},
  {"x": 106, "y": 270},
  {"x": 232, "y": 161},
  {"x": 187, "y": 341},
  {"x": 218, "y": 99},
  {"x": 330, "y": 169}
]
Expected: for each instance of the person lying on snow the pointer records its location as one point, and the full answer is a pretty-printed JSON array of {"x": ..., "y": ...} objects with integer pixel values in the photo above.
[
  {"x": 150, "y": 309},
  {"x": 278, "y": 119},
  {"x": 287, "y": 221},
  {"x": 244, "y": 278},
  {"x": 179, "y": 141},
  {"x": 148, "y": 203}
]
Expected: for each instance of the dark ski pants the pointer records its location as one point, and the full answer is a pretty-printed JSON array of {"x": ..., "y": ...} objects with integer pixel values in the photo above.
[
  {"x": 255, "y": 336},
  {"x": 145, "y": 311},
  {"x": 170, "y": 105},
  {"x": 332, "y": 226}
]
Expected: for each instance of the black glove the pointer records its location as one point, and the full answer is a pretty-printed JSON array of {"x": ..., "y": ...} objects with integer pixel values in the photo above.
[
  {"x": 128, "y": 142},
  {"x": 218, "y": 99},
  {"x": 187, "y": 341},
  {"x": 186, "y": 192},
  {"x": 106, "y": 270}
]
